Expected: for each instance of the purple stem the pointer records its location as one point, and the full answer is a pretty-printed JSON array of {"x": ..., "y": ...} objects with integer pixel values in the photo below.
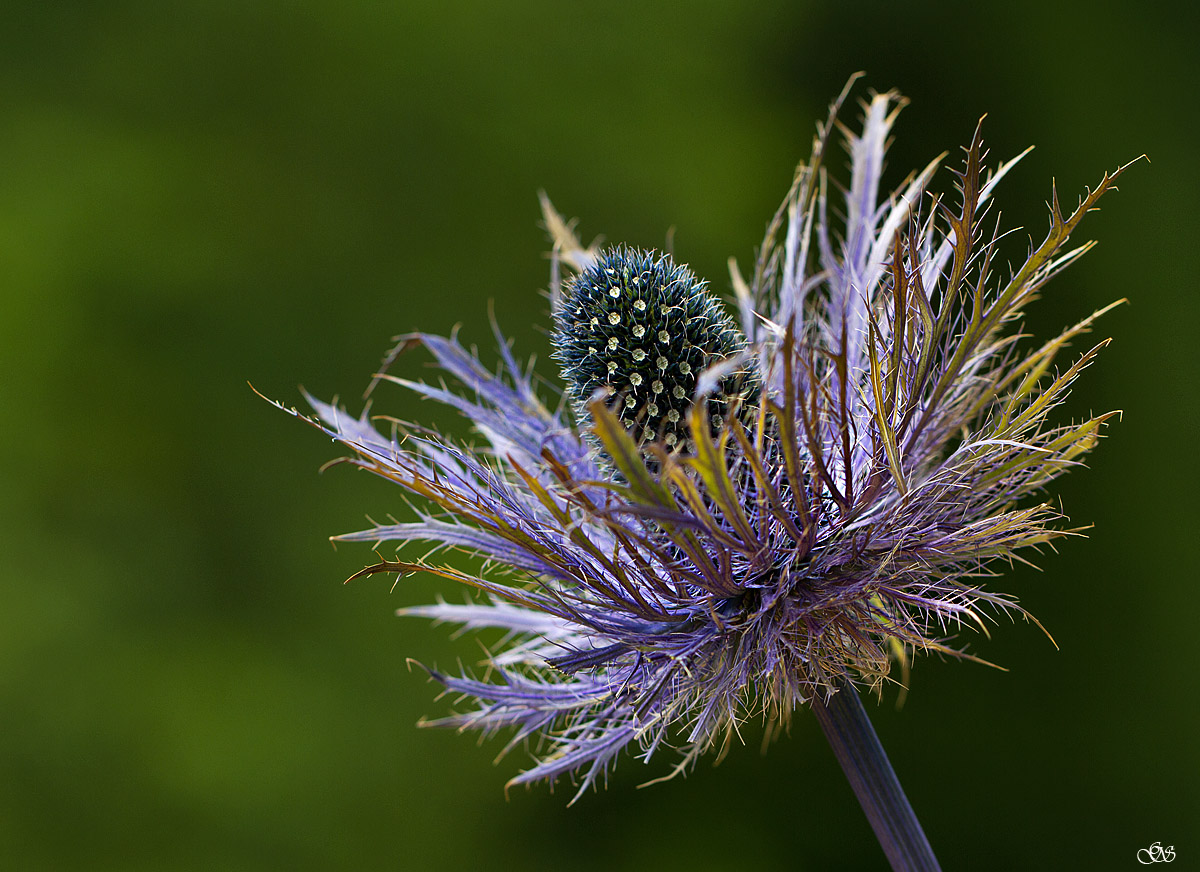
[{"x": 849, "y": 732}]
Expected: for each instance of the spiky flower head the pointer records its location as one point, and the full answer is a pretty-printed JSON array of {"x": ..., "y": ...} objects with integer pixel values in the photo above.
[
  {"x": 898, "y": 447},
  {"x": 640, "y": 329}
]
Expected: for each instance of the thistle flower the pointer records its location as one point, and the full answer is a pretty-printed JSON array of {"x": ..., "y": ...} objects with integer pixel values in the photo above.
[
  {"x": 641, "y": 329},
  {"x": 737, "y": 517}
]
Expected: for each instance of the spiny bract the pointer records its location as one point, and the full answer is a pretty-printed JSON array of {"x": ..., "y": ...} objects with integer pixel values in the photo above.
[
  {"x": 649, "y": 595},
  {"x": 640, "y": 329}
]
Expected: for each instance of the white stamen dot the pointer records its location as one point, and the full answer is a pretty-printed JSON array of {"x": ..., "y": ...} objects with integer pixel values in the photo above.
[
  {"x": 678, "y": 393},
  {"x": 639, "y": 331},
  {"x": 647, "y": 433},
  {"x": 652, "y": 410},
  {"x": 640, "y": 305},
  {"x": 638, "y": 354},
  {"x": 657, "y": 387},
  {"x": 661, "y": 363},
  {"x": 614, "y": 292},
  {"x": 635, "y": 379},
  {"x": 612, "y": 366},
  {"x": 664, "y": 309},
  {"x": 673, "y": 416},
  {"x": 664, "y": 336},
  {"x": 670, "y": 439},
  {"x": 614, "y": 318},
  {"x": 685, "y": 367},
  {"x": 612, "y": 344}
]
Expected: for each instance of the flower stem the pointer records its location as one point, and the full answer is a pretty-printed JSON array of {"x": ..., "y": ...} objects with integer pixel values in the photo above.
[{"x": 849, "y": 732}]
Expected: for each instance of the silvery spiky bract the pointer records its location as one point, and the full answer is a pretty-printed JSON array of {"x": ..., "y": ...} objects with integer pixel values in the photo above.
[{"x": 897, "y": 444}]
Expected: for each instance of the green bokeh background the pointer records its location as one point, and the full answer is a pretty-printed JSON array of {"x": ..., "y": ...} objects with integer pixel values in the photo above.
[{"x": 196, "y": 195}]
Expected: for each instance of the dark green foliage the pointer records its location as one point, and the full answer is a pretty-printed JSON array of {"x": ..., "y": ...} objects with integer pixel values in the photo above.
[{"x": 642, "y": 328}]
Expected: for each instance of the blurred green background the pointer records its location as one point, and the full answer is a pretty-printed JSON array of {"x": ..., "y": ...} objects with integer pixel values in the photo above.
[{"x": 196, "y": 195}]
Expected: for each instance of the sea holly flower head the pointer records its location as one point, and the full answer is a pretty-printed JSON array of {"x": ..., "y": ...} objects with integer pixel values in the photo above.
[
  {"x": 641, "y": 329},
  {"x": 728, "y": 516}
]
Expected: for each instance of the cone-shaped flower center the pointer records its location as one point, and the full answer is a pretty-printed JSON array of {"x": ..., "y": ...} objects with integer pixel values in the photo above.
[{"x": 643, "y": 327}]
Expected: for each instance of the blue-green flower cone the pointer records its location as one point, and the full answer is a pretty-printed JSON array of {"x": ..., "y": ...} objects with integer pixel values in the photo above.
[{"x": 641, "y": 329}]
